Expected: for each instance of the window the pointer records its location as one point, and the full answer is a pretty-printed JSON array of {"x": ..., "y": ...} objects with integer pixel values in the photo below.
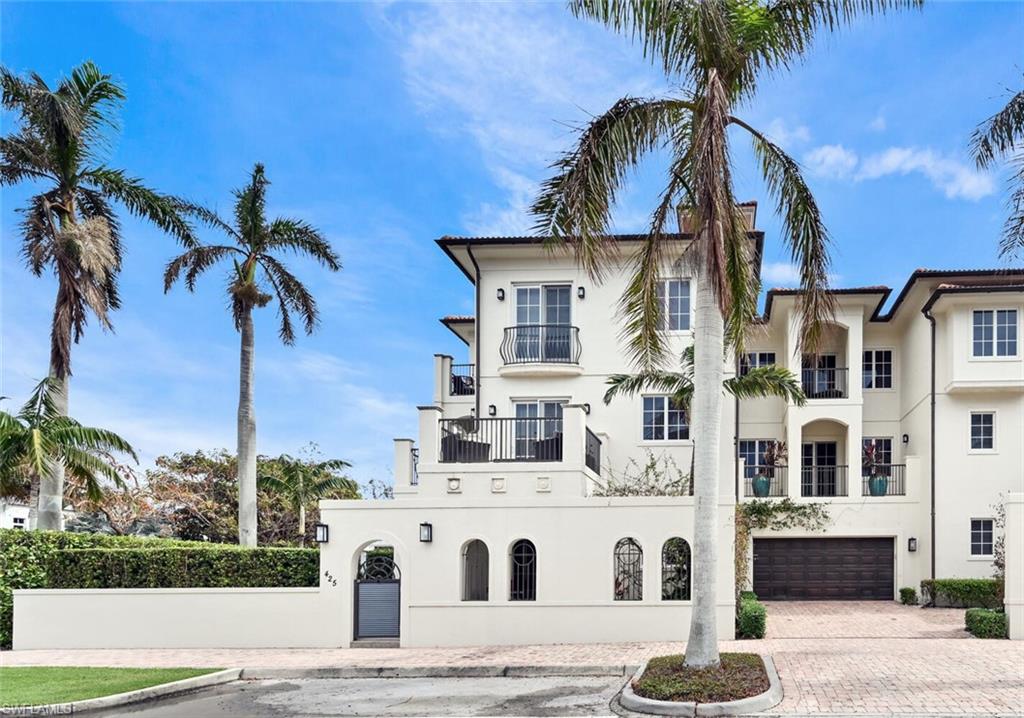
[
  {"x": 674, "y": 298},
  {"x": 981, "y": 537},
  {"x": 878, "y": 369},
  {"x": 675, "y": 570},
  {"x": 629, "y": 570},
  {"x": 523, "y": 560},
  {"x": 19, "y": 523},
  {"x": 983, "y": 424},
  {"x": 543, "y": 319},
  {"x": 475, "y": 559},
  {"x": 755, "y": 360},
  {"x": 542, "y": 437},
  {"x": 880, "y": 462},
  {"x": 995, "y": 332},
  {"x": 752, "y": 451},
  {"x": 664, "y": 419}
]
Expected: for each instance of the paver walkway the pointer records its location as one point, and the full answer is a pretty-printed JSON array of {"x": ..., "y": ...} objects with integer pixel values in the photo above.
[{"x": 925, "y": 664}]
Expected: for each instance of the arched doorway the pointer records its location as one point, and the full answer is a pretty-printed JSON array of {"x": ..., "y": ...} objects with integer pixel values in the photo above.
[{"x": 378, "y": 588}]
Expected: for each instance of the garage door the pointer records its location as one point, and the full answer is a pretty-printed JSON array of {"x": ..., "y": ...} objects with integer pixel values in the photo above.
[{"x": 824, "y": 569}]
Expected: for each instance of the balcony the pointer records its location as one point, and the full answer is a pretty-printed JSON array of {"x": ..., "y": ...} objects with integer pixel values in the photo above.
[
  {"x": 765, "y": 481},
  {"x": 825, "y": 383},
  {"x": 541, "y": 350},
  {"x": 826, "y": 481},
  {"x": 462, "y": 380},
  {"x": 886, "y": 480}
]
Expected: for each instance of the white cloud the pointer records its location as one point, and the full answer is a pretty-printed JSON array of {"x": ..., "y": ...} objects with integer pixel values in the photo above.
[
  {"x": 786, "y": 136},
  {"x": 878, "y": 123},
  {"x": 781, "y": 273},
  {"x": 833, "y": 161},
  {"x": 954, "y": 178}
]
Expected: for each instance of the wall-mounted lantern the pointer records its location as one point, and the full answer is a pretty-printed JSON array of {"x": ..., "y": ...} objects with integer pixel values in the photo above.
[
  {"x": 501, "y": 294},
  {"x": 426, "y": 532},
  {"x": 581, "y": 292},
  {"x": 321, "y": 533},
  {"x": 492, "y": 410},
  {"x": 912, "y": 544},
  {"x": 586, "y": 408},
  {"x": 906, "y": 438}
]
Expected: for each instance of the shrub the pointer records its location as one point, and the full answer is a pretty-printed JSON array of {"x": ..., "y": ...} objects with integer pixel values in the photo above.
[
  {"x": 986, "y": 623},
  {"x": 748, "y": 596},
  {"x": 962, "y": 592},
  {"x": 908, "y": 596},
  {"x": 751, "y": 618},
  {"x": 184, "y": 567}
]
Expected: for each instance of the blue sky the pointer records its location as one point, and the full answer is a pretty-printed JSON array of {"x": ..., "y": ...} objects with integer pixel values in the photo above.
[{"x": 390, "y": 125}]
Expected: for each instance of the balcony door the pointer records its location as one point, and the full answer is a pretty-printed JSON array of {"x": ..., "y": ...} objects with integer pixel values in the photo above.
[
  {"x": 818, "y": 468},
  {"x": 819, "y": 375},
  {"x": 543, "y": 322},
  {"x": 538, "y": 430}
]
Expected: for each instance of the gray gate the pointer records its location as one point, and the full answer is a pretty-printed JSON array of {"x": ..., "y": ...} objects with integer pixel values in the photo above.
[{"x": 377, "y": 597}]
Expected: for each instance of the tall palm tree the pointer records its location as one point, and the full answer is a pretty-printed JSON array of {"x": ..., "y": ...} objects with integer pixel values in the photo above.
[
  {"x": 303, "y": 482},
  {"x": 70, "y": 227},
  {"x": 255, "y": 241},
  {"x": 40, "y": 436},
  {"x": 715, "y": 50},
  {"x": 1002, "y": 137}
]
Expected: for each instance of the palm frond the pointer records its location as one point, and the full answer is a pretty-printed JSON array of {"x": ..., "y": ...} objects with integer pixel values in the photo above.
[
  {"x": 1012, "y": 243},
  {"x": 67, "y": 432},
  {"x": 291, "y": 294},
  {"x": 678, "y": 384},
  {"x": 765, "y": 381},
  {"x": 1000, "y": 134},
  {"x": 87, "y": 468},
  {"x": 161, "y": 210},
  {"x": 194, "y": 262},
  {"x": 301, "y": 238},
  {"x": 250, "y": 208}
]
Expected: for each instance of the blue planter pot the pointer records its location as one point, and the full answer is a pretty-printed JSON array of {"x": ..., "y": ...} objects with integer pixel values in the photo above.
[
  {"x": 761, "y": 485},
  {"x": 878, "y": 485}
]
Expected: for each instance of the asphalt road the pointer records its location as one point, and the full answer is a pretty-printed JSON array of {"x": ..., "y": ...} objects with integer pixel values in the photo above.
[{"x": 314, "y": 698}]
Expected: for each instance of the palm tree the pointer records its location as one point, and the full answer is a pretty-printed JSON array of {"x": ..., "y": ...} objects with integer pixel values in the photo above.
[
  {"x": 715, "y": 50},
  {"x": 1002, "y": 136},
  {"x": 70, "y": 227},
  {"x": 40, "y": 436},
  {"x": 303, "y": 482},
  {"x": 254, "y": 244}
]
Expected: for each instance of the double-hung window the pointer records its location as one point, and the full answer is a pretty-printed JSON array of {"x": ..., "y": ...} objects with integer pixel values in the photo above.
[
  {"x": 755, "y": 360},
  {"x": 981, "y": 537},
  {"x": 878, "y": 369},
  {"x": 674, "y": 298},
  {"x": 664, "y": 419},
  {"x": 983, "y": 431},
  {"x": 994, "y": 332}
]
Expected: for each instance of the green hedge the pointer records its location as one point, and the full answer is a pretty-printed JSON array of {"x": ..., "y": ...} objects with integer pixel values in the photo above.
[
  {"x": 184, "y": 567},
  {"x": 908, "y": 596},
  {"x": 986, "y": 623},
  {"x": 963, "y": 592},
  {"x": 751, "y": 617}
]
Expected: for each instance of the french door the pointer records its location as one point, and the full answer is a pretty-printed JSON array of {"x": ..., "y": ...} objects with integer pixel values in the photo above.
[
  {"x": 538, "y": 429},
  {"x": 818, "y": 468},
  {"x": 543, "y": 322}
]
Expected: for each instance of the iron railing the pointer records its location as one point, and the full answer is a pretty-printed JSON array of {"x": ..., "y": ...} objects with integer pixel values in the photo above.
[
  {"x": 592, "y": 453},
  {"x": 895, "y": 483},
  {"x": 541, "y": 343},
  {"x": 818, "y": 480},
  {"x": 776, "y": 484},
  {"x": 472, "y": 440},
  {"x": 462, "y": 381},
  {"x": 825, "y": 383}
]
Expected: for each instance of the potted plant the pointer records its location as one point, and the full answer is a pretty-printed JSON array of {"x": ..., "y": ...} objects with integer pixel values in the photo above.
[
  {"x": 774, "y": 455},
  {"x": 874, "y": 470}
]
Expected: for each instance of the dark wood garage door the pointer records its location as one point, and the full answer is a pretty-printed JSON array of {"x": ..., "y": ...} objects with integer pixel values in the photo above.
[{"x": 823, "y": 569}]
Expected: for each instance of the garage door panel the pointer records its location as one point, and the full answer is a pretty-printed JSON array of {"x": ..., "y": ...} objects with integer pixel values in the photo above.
[{"x": 824, "y": 568}]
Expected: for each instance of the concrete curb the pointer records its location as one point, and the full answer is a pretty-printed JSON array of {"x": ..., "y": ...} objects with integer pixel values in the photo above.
[
  {"x": 119, "y": 699},
  {"x": 436, "y": 672},
  {"x": 755, "y": 704}
]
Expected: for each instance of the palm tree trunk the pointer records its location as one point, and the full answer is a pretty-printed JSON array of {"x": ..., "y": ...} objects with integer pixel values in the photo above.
[
  {"x": 246, "y": 438},
  {"x": 33, "y": 501},
  {"x": 702, "y": 645},
  {"x": 49, "y": 504},
  {"x": 302, "y": 525}
]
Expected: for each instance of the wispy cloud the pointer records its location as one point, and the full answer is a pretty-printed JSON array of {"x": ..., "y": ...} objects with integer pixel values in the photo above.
[
  {"x": 785, "y": 135},
  {"x": 833, "y": 161},
  {"x": 878, "y": 123},
  {"x": 781, "y": 273}
]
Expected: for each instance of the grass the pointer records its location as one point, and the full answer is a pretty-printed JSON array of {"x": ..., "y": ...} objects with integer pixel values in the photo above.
[
  {"x": 741, "y": 675},
  {"x": 39, "y": 685}
]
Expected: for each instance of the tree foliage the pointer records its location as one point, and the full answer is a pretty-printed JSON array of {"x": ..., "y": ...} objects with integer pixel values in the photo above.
[{"x": 1001, "y": 137}]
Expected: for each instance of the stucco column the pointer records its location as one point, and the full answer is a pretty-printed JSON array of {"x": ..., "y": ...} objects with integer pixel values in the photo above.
[
  {"x": 430, "y": 433},
  {"x": 405, "y": 474},
  {"x": 855, "y": 354},
  {"x": 1014, "y": 543},
  {"x": 794, "y": 436},
  {"x": 574, "y": 428},
  {"x": 442, "y": 374},
  {"x": 854, "y": 451}
]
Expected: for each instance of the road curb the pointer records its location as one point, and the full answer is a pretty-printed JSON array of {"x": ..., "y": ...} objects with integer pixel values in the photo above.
[
  {"x": 437, "y": 672},
  {"x": 755, "y": 704},
  {"x": 120, "y": 699}
]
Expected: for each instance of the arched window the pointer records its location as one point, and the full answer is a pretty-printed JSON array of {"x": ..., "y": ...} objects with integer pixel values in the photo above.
[
  {"x": 675, "y": 570},
  {"x": 629, "y": 570},
  {"x": 475, "y": 558},
  {"x": 523, "y": 569}
]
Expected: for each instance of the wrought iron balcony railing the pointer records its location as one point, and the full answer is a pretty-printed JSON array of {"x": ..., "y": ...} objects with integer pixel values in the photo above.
[
  {"x": 541, "y": 344},
  {"x": 462, "y": 381},
  {"x": 765, "y": 481},
  {"x": 818, "y": 480},
  {"x": 825, "y": 383},
  {"x": 471, "y": 440},
  {"x": 593, "y": 452},
  {"x": 885, "y": 480}
]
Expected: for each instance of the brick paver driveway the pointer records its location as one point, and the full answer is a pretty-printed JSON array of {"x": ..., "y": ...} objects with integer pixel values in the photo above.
[{"x": 871, "y": 658}]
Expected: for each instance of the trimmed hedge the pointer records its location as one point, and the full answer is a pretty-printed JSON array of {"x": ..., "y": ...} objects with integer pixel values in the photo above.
[
  {"x": 908, "y": 596},
  {"x": 962, "y": 593},
  {"x": 751, "y": 617},
  {"x": 184, "y": 567},
  {"x": 986, "y": 623}
]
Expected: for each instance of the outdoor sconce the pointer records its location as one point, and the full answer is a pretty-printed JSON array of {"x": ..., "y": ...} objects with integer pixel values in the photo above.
[
  {"x": 912, "y": 544},
  {"x": 906, "y": 438},
  {"x": 321, "y": 533},
  {"x": 586, "y": 408},
  {"x": 501, "y": 294},
  {"x": 492, "y": 410},
  {"x": 426, "y": 532},
  {"x": 581, "y": 292}
]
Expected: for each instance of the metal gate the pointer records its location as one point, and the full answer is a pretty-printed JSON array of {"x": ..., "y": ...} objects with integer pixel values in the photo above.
[{"x": 377, "y": 597}]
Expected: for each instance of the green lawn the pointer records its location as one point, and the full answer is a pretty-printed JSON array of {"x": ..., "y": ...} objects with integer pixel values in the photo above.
[{"x": 30, "y": 686}]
